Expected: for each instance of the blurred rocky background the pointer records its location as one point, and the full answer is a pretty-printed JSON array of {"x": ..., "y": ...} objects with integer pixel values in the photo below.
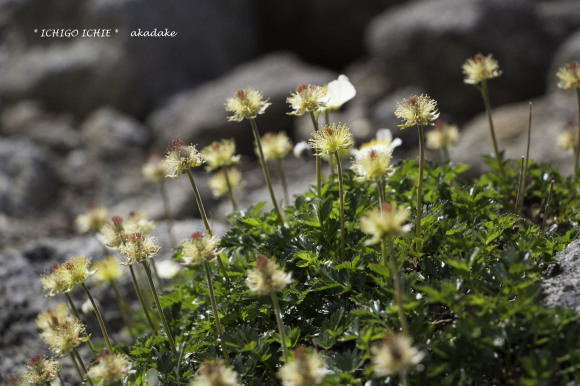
[{"x": 80, "y": 116}]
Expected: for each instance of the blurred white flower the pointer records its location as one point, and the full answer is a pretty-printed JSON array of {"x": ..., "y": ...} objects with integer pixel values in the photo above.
[{"x": 339, "y": 92}]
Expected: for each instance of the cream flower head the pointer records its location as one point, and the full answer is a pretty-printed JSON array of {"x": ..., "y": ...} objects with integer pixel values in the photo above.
[
  {"x": 40, "y": 370},
  {"x": 480, "y": 68},
  {"x": 154, "y": 169},
  {"x": 113, "y": 234},
  {"x": 568, "y": 139},
  {"x": 307, "y": 369},
  {"x": 569, "y": 76},
  {"x": 108, "y": 269},
  {"x": 442, "y": 136},
  {"x": 275, "y": 146},
  {"x": 78, "y": 270},
  {"x": 137, "y": 222},
  {"x": 307, "y": 98},
  {"x": 55, "y": 281},
  {"x": 339, "y": 92},
  {"x": 220, "y": 154},
  {"x": 215, "y": 375},
  {"x": 65, "y": 335},
  {"x": 218, "y": 184},
  {"x": 92, "y": 220},
  {"x": 395, "y": 355},
  {"x": 139, "y": 248},
  {"x": 246, "y": 104},
  {"x": 266, "y": 277},
  {"x": 372, "y": 163},
  {"x": 417, "y": 111},
  {"x": 180, "y": 158},
  {"x": 110, "y": 368},
  {"x": 383, "y": 222},
  {"x": 383, "y": 137},
  {"x": 199, "y": 247},
  {"x": 331, "y": 138},
  {"x": 48, "y": 320}
]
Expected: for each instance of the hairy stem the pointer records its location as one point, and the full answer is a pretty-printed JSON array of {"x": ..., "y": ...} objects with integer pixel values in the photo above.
[
  {"x": 283, "y": 180},
  {"x": 265, "y": 170},
  {"x": 123, "y": 306},
  {"x": 140, "y": 296},
  {"x": 420, "y": 182},
  {"x": 99, "y": 317},
  {"x": 230, "y": 190},
  {"x": 75, "y": 353},
  {"x": 75, "y": 312},
  {"x": 168, "y": 216},
  {"x": 318, "y": 159},
  {"x": 341, "y": 198},
  {"x": 485, "y": 95},
  {"x": 216, "y": 315},
  {"x": 398, "y": 287},
  {"x": 278, "y": 313},
  {"x": 159, "y": 309}
]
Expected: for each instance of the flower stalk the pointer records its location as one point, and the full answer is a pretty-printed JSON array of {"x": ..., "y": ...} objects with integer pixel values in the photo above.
[
  {"x": 99, "y": 317},
  {"x": 341, "y": 200},
  {"x": 215, "y": 313},
  {"x": 397, "y": 282},
  {"x": 485, "y": 96},
  {"x": 230, "y": 189},
  {"x": 141, "y": 300},
  {"x": 265, "y": 170},
  {"x": 318, "y": 158},
  {"x": 420, "y": 182},
  {"x": 75, "y": 312},
  {"x": 159, "y": 309},
  {"x": 278, "y": 313},
  {"x": 283, "y": 180}
]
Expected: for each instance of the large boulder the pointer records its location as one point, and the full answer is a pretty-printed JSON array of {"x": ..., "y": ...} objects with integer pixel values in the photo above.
[
  {"x": 198, "y": 116},
  {"x": 562, "y": 288},
  {"x": 129, "y": 73},
  {"x": 425, "y": 43}
]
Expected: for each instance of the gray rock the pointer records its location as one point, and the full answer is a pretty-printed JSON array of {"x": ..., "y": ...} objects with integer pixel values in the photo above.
[
  {"x": 563, "y": 288},
  {"x": 426, "y": 42},
  {"x": 559, "y": 18},
  {"x": 198, "y": 116},
  {"x": 28, "y": 184},
  {"x": 110, "y": 135},
  {"x": 212, "y": 36},
  {"x": 550, "y": 114}
]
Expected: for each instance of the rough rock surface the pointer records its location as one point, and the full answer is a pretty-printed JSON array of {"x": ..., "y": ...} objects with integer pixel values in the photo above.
[
  {"x": 198, "y": 116},
  {"x": 426, "y": 42},
  {"x": 563, "y": 287}
]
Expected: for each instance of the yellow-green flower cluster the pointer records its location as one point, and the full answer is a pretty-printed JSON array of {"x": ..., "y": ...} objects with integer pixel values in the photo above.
[
  {"x": 307, "y": 368},
  {"x": 139, "y": 248},
  {"x": 215, "y": 375},
  {"x": 568, "y": 139},
  {"x": 63, "y": 278},
  {"x": 199, "y": 247},
  {"x": 266, "y": 278},
  {"x": 307, "y": 98},
  {"x": 275, "y": 146},
  {"x": 110, "y": 368},
  {"x": 108, "y": 269},
  {"x": 92, "y": 220},
  {"x": 395, "y": 355},
  {"x": 220, "y": 154},
  {"x": 219, "y": 185},
  {"x": 116, "y": 233},
  {"x": 442, "y": 136},
  {"x": 40, "y": 370},
  {"x": 480, "y": 68},
  {"x": 372, "y": 163},
  {"x": 331, "y": 138},
  {"x": 61, "y": 331},
  {"x": 384, "y": 221},
  {"x": 246, "y": 104},
  {"x": 180, "y": 158},
  {"x": 417, "y": 111},
  {"x": 569, "y": 76},
  {"x": 154, "y": 170}
]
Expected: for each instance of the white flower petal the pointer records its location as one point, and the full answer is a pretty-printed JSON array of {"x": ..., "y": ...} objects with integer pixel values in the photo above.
[{"x": 339, "y": 92}]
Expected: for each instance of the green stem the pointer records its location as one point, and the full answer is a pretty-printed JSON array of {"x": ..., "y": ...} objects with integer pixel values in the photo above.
[
  {"x": 230, "y": 190},
  {"x": 404, "y": 379},
  {"x": 445, "y": 151},
  {"x": 159, "y": 309},
  {"x": 123, "y": 306},
  {"x": 140, "y": 296},
  {"x": 398, "y": 287},
  {"x": 156, "y": 274},
  {"x": 318, "y": 159},
  {"x": 204, "y": 218},
  {"x": 519, "y": 194},
  {"x": 168, "y": 216},
  {"x": 80, "y": 360},
  {"x": 265, "y": 170},
  {"x": 485, "y": 95},
  {"x": 420, "y": 182},
  {"x": 99, "y": 317},
  {"x": 81, "y": 376},
  {"x": 278, "y": 313},
  {"x": 578, "y": 143},
  {"x": 216, "y": 316},
  {"x": 341, "y": 197},
  {"x": 283, "y": 180},
  {"x": 75, "y": 312}
]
